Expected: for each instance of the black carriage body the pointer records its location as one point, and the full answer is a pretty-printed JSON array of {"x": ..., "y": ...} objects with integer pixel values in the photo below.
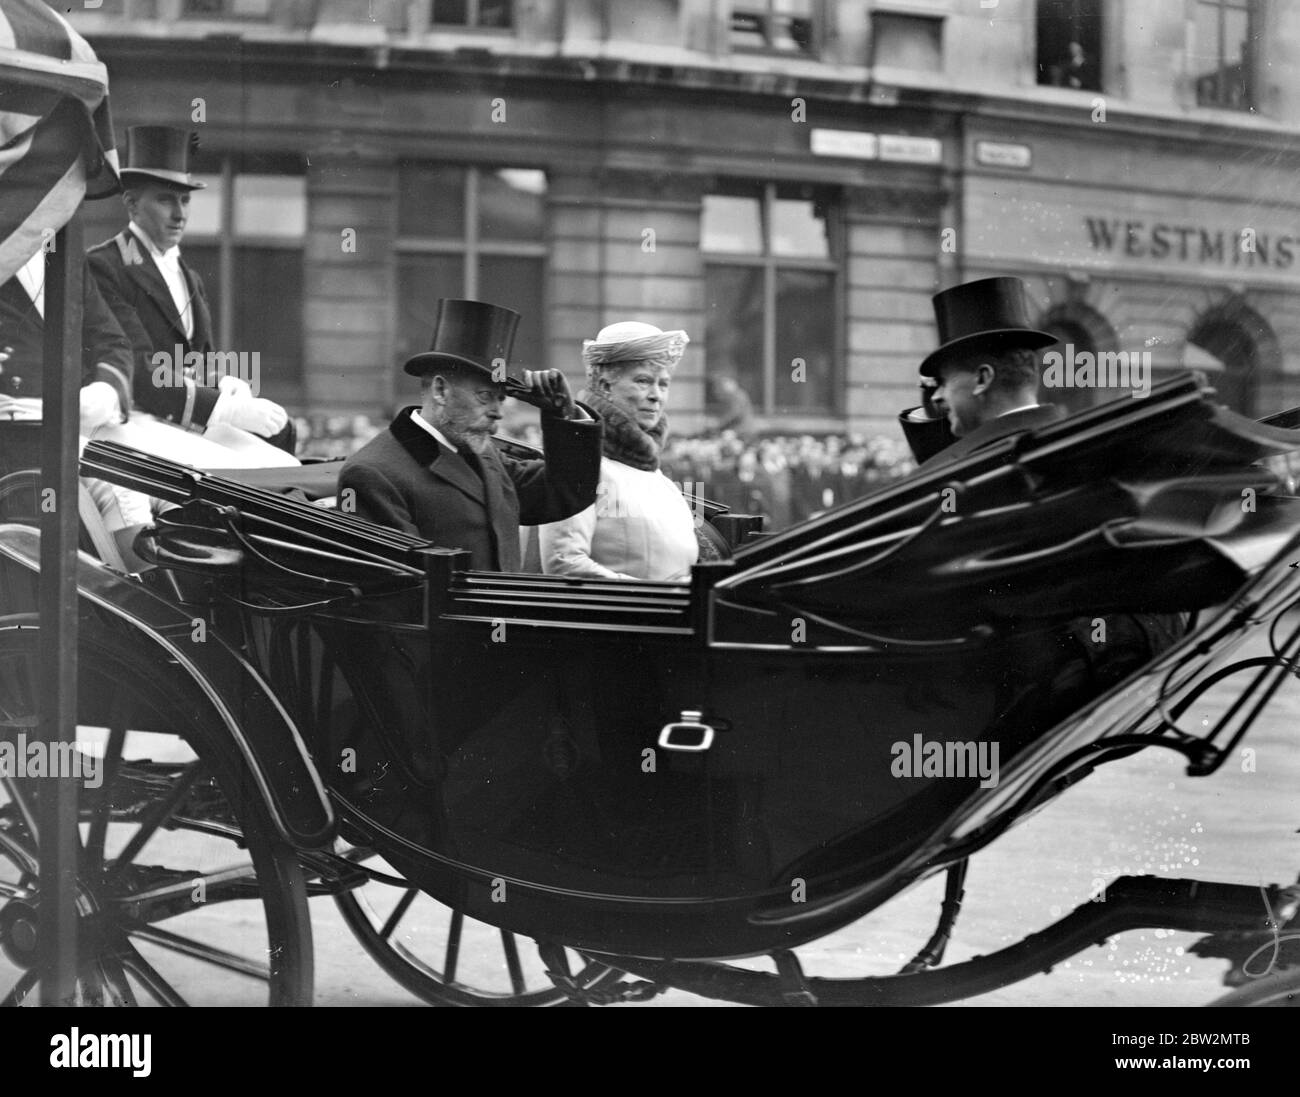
[
  {"x": 517, "y": 772},
  {"x": 521, "y": 746}
]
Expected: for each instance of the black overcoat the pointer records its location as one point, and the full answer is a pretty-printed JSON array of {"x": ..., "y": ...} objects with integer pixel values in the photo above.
[{"x": 404, "y": 478}]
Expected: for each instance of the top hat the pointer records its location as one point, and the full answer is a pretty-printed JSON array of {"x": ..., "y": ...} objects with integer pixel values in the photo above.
[
  {"x": 470, "y": 334},
  {"x": 161, "y": 153},
  {"x": 990, "y": 314}
]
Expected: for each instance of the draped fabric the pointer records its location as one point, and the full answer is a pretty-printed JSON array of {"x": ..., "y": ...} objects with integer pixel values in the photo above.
[{"x": 56, "y": 135}]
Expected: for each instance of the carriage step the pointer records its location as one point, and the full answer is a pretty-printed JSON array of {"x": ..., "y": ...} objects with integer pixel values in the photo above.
[{"x": 794, "y": 984}]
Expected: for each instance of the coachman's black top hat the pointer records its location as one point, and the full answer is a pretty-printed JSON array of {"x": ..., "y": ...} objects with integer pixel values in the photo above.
[
  {"x": 470, "y": 334},
  {"x": 161, "y": 153},
  {"x": 990, "y": 314}
]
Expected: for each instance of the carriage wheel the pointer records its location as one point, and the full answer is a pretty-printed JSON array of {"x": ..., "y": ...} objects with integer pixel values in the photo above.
[
  {"x": 185, "y": 893},
  {"x": 446, "y": 959}
]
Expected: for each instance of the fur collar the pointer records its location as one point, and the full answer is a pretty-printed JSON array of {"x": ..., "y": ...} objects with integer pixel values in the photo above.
[{"x": 625, "y": 440}]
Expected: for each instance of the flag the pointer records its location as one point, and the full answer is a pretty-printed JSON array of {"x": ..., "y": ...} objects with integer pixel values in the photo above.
[{"x": 56, "y": 136}]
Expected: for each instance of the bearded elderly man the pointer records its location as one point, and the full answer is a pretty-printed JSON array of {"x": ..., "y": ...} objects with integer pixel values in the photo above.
[{"x": 435, "y": 472}]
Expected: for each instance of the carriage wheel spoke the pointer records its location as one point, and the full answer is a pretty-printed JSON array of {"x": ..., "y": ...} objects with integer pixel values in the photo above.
[
  {"x": 186, "y": 946},
  {"x": 517, "y": 985},
  {"x": 154, "y": 983},
  {"x": 402, "y": 907},
  {"x": 21, "y": 989},
  {"x": 99, "y": 823},
  {"x": 452, "y": 956},
  {"x": 13, "y": 891},
  {"x": 117, "y": 982},
  {"x": 91, "y": 983},
  {"x": 157, "y": 816},
  {"x": 26, "y": 810}
]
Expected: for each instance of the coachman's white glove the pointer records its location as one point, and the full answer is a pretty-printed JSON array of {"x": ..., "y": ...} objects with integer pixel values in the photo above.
[
  {"x": 100, "y": 407},
  {"x": 238, "y": 407}
]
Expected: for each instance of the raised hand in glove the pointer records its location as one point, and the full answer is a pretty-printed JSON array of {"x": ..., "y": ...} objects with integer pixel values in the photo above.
[
  {"x": 100, "y": 407},
  {"x": 546, "y": 389}
]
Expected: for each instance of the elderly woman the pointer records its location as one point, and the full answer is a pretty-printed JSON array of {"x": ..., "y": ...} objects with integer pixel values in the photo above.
[{"x": 640, "y": 526}]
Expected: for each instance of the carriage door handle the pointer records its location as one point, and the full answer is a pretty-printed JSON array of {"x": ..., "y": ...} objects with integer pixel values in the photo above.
[{"x": 670, "y": 735}]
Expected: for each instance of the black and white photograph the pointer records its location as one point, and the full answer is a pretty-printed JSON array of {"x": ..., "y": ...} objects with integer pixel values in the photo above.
[{"x": 651, "y": 504}]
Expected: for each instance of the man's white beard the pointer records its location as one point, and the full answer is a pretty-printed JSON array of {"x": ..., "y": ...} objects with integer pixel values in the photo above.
[{"x": 478, "y": 440}]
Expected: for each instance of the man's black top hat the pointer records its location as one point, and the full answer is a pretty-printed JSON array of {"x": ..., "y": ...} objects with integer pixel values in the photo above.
[
  {"x": 990, "y": 314},
  {"x": 161, "y": 153},
  {"x": 468, "y": 333}
]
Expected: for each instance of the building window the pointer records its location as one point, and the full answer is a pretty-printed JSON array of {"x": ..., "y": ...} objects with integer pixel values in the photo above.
[
  {"x": 474, "y": 13},
  {"x": 472, "y": 232},
  {"x": 785, "y": 26},
  {"x": 245, "y": 237},
  {"x": 1239, "y": 351},
  {"x": 907, "y": 41},
  {"x": 1069, "y": 44},
  {"x": 1222, "y": 54},
  {"x": 226, "y": 9},
  {"x": 771, "y": 291}
]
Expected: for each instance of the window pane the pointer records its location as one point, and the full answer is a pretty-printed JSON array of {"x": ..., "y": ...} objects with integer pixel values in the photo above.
[
  {"x": 271, "y": 205},
  {"x": 205, "y": 209},
  {"x": 798, "y": 229},
  {"x": 451, "y": 11},
  {"x": 431, "y": 201},
  {"x": 1206, "y": 58},
  {"x": 512, "y": 204},
  {"x": 494, "y": 13},
  {"x": 805, "y": 329},
  {"x": 732, "y": 225},
  {"x": 907, "y": 41},
  {"x": 1235, "y": 31},
  {"x": 792, "y": 25},
  {"x": 516, "y": 283},
  {"x": 421, "y": 281},
  {"x": 268, "y": 313},
  {"x": 733, "y": 332},
  {"x": 748, "y": 29}
]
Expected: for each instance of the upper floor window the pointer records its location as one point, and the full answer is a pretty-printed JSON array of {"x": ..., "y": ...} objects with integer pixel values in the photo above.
[
  {"x": 907, "y": 41},
  {"x": 1222, "y": 53},
  {"x": 473, "y": 232},
  {"x": 232, "y": 9},
  {"x": 474, "y": 13},
  {"x": 245, "y": 237},
  {"x": 771, "y": 294},
  {"x": 787, "y": 26},
  {"x": 1069, "y": 43}
]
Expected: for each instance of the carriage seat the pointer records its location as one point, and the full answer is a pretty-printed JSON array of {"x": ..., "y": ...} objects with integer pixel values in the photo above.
[{"x": 103, "y": 532}]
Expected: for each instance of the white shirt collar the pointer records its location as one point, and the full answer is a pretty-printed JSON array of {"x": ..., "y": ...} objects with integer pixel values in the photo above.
[
  {"x": 1023, "y": 407},
  {"x": 420, "y": 421},
  {"x": 172, "y": 256}
]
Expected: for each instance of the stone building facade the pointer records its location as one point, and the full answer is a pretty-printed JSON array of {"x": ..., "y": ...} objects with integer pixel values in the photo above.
[{"x": 787, "y": 180}]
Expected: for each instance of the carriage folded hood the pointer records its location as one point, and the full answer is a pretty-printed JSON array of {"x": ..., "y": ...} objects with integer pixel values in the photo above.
[{"x": 1155, "y": 505}]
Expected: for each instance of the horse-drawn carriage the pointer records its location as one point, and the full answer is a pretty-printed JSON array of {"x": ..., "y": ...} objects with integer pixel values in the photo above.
[{"x": 522, "y": 789}]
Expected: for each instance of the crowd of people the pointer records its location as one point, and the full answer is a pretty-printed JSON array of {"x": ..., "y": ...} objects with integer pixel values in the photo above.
[{"x": 785, "y": 477}]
